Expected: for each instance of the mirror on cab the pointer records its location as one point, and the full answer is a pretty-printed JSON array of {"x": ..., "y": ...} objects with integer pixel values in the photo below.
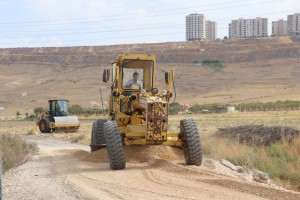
[
  {"x": 167, "y": 77},
  {"x": 106, "y": 74}
]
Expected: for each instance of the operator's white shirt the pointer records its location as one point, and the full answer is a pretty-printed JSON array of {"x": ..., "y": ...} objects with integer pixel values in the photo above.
[{"x": 131, "y": 81}]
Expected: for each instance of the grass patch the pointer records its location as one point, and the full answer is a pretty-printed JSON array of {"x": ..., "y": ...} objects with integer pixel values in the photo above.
[
  {"x": 213, "y": 64},
  {"x": 15, "y": 150}
]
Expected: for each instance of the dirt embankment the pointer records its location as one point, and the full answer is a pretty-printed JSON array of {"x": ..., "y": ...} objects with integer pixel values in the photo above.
[
  {"x": 263, "y": 69},
  {"x": 226, "y": 51}
]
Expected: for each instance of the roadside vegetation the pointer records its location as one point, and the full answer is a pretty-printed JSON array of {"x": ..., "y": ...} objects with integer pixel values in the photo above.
[
  {"x": 14, "y": 150},
  {"x": 243, "y": 107},
  {"x": 73, "y": 110},
  {"x": 78, "y": 110},
  {"x": 280, "y": 160},
  {"x": 175, "y": 108}
]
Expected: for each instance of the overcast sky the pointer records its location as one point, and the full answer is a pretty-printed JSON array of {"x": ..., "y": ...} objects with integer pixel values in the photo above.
[{"x": 37, "y": 23}]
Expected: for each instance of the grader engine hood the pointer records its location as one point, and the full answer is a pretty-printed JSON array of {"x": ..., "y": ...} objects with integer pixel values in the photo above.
[{"x": 156, "y": 121}]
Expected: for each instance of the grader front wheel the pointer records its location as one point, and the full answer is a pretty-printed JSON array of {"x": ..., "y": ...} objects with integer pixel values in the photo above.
[
  {"x": 114, "y": 145},
  {"x": 191, "y": 142}
]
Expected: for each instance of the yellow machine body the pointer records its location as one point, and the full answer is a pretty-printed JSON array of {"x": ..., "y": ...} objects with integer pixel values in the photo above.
[{"x": 141, "y": 113}]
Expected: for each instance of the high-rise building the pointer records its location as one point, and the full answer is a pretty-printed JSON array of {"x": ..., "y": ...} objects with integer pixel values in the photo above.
[
  {"x": 199, "y": 29},
  {"x": 257, "y": 27},
  {"x": 235, "y": 29},
  {"x": 261, "y": 25},
  {"x": 195, "y": 27},
  {"x": 279, "y": 28},
  {"x": 210, "y": 30},
  {"x": 293, "y": 24}
]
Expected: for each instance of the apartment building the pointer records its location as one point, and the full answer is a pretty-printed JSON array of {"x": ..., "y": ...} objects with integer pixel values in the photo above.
[
  {"x": 197, "y": 28},
  {"x": 293, "y": 24},
  {"x": 280, "y": 28},
  {"x": 240, "y": 28},
  {"x": 210, "y": 30}
]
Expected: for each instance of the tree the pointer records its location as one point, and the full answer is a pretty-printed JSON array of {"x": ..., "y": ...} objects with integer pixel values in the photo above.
[
  {"x": 175, "y": 107},
  {"x": 38, "y": 110},
  {"x": 18, "y": 114},
  {"x": 76, "y": 109}
]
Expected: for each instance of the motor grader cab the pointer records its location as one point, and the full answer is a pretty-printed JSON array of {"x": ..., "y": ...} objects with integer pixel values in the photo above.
[
  {"x": 57, "y": 119},
  {"x": 138, "y": 112}
]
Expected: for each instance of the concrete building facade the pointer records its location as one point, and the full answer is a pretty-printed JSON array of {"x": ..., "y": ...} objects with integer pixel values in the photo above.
[
  {"x": 240, "y": 28},
  {"x": 280, "y": 28},
  {"x": 293, "y": 24},
  {"x": 197, "y": 28},
  {"x": 210, "y": 30}
]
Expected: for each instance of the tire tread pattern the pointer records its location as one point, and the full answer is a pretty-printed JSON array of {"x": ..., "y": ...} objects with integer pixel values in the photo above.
[
  {"x": 192, "y": 143},
  {"x": 114, "y": 145}
]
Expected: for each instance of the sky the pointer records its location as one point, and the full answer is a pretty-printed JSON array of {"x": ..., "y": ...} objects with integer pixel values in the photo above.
[{"x": 44, "y": 23}]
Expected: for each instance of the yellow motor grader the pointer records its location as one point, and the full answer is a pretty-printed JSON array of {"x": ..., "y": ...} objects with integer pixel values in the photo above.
[
  {"x": 57, "y": 119},
  {"x": 138, "y": 112}
]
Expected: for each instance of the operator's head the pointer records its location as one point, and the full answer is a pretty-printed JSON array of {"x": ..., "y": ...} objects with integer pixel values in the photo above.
[{"x": 135, "y": 76}]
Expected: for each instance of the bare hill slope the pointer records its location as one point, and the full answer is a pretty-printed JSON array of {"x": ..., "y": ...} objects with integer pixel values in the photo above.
[{"x": 264, "y": 69}]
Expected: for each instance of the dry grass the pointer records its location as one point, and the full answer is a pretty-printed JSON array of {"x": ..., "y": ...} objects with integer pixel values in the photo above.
[
  {"x": 281, "y": 161},
  {"x": 15, "y": 150}
]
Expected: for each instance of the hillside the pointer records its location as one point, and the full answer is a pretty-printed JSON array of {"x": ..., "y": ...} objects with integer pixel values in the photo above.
[{"x": 262, "y": 69}]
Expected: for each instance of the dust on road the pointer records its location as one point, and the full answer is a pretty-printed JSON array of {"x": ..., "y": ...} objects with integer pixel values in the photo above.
[{"x": 68, "y": 171}]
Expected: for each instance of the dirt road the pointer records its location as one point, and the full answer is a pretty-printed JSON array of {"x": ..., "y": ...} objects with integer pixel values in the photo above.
[{"x": 68, "y": 171}]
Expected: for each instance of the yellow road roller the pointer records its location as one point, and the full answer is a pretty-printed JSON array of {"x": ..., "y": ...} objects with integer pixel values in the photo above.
[{"x": 57, "y": 119}]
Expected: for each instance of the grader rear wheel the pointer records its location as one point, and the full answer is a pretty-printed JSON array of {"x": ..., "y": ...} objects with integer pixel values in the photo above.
[
  {"x": 191, "y": 142},
  {"x": 97, "y": 137},
  {"x": 114, "y": 145}
]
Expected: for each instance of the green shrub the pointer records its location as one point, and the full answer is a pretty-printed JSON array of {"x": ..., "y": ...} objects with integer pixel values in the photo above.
[
  {"x": 18, "y": 114},
  {"x": 213, "y": 64},
  {"x": 39, "y": 110},
  {"x": 175, "y": 107},
  {"x": 78, "y": 110}
]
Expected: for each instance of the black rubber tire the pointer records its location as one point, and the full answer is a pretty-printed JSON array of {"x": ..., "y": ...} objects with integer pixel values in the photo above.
[
  {"x": 191, "y": 142},
  {"x": 44, "y": 129},
  {"x": 114, "y": 145},
  {"x": 97, "y": 136}
]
